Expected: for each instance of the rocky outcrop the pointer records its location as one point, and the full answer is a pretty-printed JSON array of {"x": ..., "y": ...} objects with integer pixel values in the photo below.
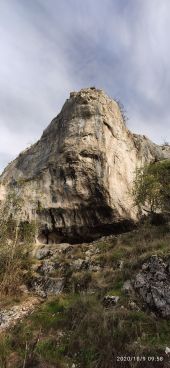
[
  {"x": 46, "y": 286},
  {"x": 11, "y": 316},
  {"x": 76, "y": 180},
  {"x": 153, "y": 285}
]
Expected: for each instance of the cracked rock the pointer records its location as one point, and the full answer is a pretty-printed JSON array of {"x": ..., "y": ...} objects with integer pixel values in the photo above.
[{"x": 153, "y": 285}]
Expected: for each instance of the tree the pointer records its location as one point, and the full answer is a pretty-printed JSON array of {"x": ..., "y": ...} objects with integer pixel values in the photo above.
[
  {"x": 16, "y": 239},
  {"x": 152, "y": 187}
]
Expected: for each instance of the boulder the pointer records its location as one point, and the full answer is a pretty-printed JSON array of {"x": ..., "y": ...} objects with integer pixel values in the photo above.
[{"x": 110, "y": 300}]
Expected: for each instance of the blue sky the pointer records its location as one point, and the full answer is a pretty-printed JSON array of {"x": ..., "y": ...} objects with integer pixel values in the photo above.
[{"x": 51, "y": 47}]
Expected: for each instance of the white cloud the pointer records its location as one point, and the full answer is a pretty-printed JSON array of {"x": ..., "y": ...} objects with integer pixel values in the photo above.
[{"x": 49, "y": 48}]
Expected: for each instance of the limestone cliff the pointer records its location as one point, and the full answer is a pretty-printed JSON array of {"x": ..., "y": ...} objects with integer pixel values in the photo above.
[{"x": 77, "y": 179}]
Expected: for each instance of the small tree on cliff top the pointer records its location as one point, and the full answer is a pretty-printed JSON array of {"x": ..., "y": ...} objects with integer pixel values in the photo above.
[{"x": 152, "y": 187}]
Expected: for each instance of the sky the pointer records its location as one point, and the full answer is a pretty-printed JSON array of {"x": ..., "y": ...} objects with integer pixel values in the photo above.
[{"x": 51, "y": 47}]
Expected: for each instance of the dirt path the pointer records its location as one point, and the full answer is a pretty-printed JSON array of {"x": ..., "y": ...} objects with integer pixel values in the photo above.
[{"x": 10, "y": 316}]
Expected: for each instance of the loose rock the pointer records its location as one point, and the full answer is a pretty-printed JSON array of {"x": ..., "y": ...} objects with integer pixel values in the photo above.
[{"x": 110, "y": 300}]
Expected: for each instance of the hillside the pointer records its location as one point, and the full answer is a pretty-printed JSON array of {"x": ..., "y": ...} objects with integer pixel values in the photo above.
[{"x": 99, "y": 318}]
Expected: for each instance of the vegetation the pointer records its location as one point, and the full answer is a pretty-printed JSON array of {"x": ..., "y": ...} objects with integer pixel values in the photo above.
[
  {"x": 16, "y": 239},
  {"x": 152, "y": 187},
  {"x": 123, "y": 111},
  {"x": 76, "y": 328}
]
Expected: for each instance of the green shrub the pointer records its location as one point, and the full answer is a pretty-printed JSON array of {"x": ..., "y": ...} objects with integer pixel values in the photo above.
[
  {"x": 5, "y": 349},
  {"x": 152, "y": 187},
  {"x": 16, "y": 239}
]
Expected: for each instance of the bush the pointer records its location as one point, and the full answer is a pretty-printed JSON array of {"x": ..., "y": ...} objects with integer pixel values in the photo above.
[
  {"x": 152, "y": 187},
  {"x": 16, "y": 239}
]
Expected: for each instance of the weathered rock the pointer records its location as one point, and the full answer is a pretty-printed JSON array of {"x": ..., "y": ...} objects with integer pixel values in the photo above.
[
  {"x": 65, "y": 248},
  {"x": 133, "y": 306},
  {"x": 166, "y": 150},
  {"x": 24, "y": 289},
  {"x": 110, "y": 300},
  {"x": 167, "y": 350},
  {"x": 79, "y": 264},
  {"x": 45, "y": 286},
  {"x": 9, "y": 317},
  {"x": 153, "y": 285},
  {"x": 127, "y": 286},
  {"x": 77, "y": 179},
  {"x": 43, "y": 253},
  {"x": 93, "y": 267},
  {"x": 48, "y": 267},
  {"x": 121, "y": 263}
]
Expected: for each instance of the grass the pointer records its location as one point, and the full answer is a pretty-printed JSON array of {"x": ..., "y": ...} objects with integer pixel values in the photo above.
[
  {"x": 76, "y": 328},
  {"x": 80, "y": 281},
  {"x": 5, "y": 350},
  {"x": 48, "y": 350}
]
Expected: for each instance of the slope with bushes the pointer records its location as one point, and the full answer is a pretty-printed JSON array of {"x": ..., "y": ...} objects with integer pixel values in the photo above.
[{"x": 75, "y": 328}]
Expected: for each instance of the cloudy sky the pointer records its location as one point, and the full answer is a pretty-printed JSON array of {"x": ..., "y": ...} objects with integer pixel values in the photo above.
[{"x": 51, "y": 47}]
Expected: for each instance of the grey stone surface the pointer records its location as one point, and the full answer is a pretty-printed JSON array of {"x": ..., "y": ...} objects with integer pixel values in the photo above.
[
  {"x": 127, "y": 286},
  {"x": 110, "y": 300},
  {"x": 153, "y": 285},
  {"x": 76, "y": 180},
  {"x": 43, "y": 253},
  {"x": 48, "y": 267},
  {"x": 45, "y": 285},
  {"x": 10, "y": 316}
]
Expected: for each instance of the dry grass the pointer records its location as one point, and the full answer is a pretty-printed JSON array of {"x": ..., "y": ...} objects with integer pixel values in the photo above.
[{"x": 76, "y": 328}]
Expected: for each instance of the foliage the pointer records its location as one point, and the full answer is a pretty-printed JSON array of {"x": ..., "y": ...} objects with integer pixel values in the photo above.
[
  {"x": 4, "y": 350},
  {"x": 15, "y": 241},
  {"x": 152, "y": 187},
  {"x": 123, "y": 111},
  {"x": 75, "y": 328},
  {"x": 80, "y": 329}
]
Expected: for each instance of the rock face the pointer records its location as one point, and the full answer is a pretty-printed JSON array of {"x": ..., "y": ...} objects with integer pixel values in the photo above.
[
  {"x": 77, "y": 179},
  {"x": 153, "y": 284}
]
